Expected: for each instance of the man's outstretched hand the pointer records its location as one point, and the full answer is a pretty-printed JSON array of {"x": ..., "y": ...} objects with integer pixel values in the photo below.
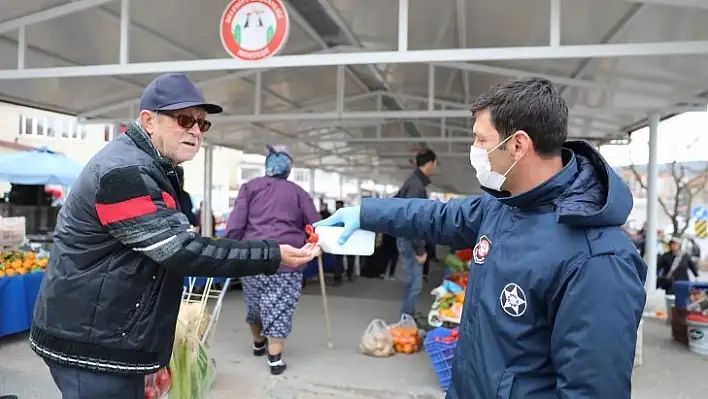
[
  {"x": 296, "y": 257},
  {"x": 347, "y": 217}
]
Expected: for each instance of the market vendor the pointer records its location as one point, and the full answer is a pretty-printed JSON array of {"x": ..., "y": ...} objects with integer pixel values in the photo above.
[
  {"x": 107, "y": 309},
  {"x": 558, "y": 288}
]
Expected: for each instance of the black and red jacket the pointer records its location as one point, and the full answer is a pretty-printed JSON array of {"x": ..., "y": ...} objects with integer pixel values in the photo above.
[{"x": 112, "y": 290}]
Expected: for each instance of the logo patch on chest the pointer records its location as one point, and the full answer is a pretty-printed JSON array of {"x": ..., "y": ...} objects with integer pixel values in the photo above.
[
  {"x": 481, "y": 250},
  {"x": 513, "y": 300}
]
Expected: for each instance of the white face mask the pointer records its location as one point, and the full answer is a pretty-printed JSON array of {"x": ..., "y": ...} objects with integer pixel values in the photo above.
[{"x": 479, "y": 159}]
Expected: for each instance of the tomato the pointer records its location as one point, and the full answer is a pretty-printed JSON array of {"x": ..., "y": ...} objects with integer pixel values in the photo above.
[
  {"x": 151, "y": 393},
  {"x": 314, "y": 238},
  {"x": 309, "y": 229},
  {"x": 163, "y": 379}
]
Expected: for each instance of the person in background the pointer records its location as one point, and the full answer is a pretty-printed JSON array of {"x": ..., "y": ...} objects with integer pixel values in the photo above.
[
  {"x": 324, "y": 209},
  {"x": 339, "y": 259},
  {"x": 558, "y": 288},
  {"x": 389, "y": 256},
  {"x": 107, "y": 307},
  {"x": 272, "y": 208},
  {"x": 412, "y": 251},
  {"x": 198, "y": 216},
  {"x": 673, "y": 265},
  {"x": 430, "y": 255},
  {"x": 185, "y": 200}
]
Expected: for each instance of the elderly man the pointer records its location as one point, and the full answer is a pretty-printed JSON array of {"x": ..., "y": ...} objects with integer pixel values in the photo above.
[
  {"x": 108, "y": 305},
  {"x": 556, "y": 289}
]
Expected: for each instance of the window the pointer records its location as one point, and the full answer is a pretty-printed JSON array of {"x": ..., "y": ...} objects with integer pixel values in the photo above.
[
  {"x": 79, "y": 133},
  {"x": 68, "y": 129},
  {"x": 26, "y": 125},
  {"x": 40, "y": 126},
  {"x": 251, "y": 172},
  {"x": 108, "y": 133}
]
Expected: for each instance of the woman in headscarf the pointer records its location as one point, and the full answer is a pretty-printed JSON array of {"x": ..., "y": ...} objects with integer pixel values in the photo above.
[{"x": 271, "y": 207}]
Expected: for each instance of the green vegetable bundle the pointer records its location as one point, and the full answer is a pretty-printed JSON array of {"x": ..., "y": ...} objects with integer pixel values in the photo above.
[
  {"x": 192, "y": 368},
  {"x": 454, "y": 264}
]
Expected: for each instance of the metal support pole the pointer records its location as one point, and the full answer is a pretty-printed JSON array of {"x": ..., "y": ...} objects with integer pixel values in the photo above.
[
  {"x": 312, "y": 182},
  {"x": 341, "y": 186},
  {"x": 258, "y": 99},
  {"x": 442, "y": 125},
  {"x": 379, "y": 107},
  {"x": 555, "y": 22},
  {"x": 651, "y": 250},
  {"x": 21, "y": 47},
  {"x": 403, "y": 25},
  {"x": 431, "y": 87},
  {"x": 124, "y": 31},
  {"x": 208, "y": 175},
  {"x": 341, "y": 87}
]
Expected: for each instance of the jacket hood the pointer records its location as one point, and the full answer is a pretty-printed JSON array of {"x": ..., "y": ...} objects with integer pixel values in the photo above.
[{"x": 585, "y": 193}]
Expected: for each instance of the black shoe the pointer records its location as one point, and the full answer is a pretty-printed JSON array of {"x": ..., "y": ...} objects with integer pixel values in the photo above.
[
  {"x": 276, "y": 363},
  {"x": 9, "y": 397},
  {"x": 259, "y": 348}
]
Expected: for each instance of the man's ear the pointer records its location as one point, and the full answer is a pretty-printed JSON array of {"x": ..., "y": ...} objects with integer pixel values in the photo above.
[
  {"x": 148, "y": 120},
  {"x": 522, "y": 144}
]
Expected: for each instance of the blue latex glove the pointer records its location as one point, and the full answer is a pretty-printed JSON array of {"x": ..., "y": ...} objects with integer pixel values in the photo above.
[{"x": 347, "y": 217}]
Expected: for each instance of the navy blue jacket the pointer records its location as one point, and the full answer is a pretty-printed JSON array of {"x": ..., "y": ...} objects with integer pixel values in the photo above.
[{"x": 556, "y": 290}]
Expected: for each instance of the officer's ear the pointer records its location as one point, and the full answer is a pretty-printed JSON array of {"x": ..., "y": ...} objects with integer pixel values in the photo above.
[{"x": 520, "y": 145}]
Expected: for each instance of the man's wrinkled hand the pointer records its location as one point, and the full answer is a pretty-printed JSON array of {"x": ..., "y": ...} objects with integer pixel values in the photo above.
[{"x": 296, "y": 257}]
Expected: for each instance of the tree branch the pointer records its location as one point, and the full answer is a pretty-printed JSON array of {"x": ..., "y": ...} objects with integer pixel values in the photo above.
[{"x": 643, "y": 186}]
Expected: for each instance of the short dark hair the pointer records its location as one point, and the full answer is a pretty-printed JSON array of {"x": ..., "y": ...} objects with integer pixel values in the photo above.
[
  {"x": 533, "y": 105},
  {"x": 425, "y": 156}
]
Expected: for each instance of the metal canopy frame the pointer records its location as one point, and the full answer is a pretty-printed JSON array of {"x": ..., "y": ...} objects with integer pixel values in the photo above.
[{"x": 369, "y": 122}]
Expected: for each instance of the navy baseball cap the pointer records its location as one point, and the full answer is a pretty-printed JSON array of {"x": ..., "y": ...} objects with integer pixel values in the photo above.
[{"x": 171, "y": 92}]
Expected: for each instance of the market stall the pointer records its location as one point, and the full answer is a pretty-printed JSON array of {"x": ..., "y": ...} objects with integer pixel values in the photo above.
[
  {"x": 30, "y": 172},
  {"x": 689, "y": 316},
  {"x": 21, "y": 273},
  {"x": 450, "y": 295}
]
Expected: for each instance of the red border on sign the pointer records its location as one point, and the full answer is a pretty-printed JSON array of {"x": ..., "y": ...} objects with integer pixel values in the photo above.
[{"x": 282, "y": 28}]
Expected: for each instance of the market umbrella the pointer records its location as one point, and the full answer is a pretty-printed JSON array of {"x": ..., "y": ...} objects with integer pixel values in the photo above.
[{"x": 39, "y": 166}]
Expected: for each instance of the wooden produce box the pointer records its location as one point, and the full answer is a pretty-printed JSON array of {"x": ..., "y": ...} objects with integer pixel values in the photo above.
[{"x": 679, "y": 330}]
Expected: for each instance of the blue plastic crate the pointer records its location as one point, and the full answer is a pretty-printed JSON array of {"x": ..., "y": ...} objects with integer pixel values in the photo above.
[{"x": 441, "y": 355}]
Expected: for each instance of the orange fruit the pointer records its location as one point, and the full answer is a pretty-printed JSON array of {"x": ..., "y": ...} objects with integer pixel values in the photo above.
[
  {"x": 2, "y": 274},
  {"x": 10, "y": 272},
  {"x": 22, "y": 270},
  {"x": 408, "y": 348}
]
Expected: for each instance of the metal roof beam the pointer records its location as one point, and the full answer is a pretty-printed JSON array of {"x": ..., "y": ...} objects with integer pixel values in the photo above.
[
  {"x": 700, "y": 4},
  {"x": 48, "y": 14},
  {"x": 563, "y": 80},
  {"x": 336, "y": 116},
  {"x": 615, "y": 50}
]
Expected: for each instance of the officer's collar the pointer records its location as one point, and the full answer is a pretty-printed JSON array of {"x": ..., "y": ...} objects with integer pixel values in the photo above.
[{"x": 546, "y": 193}]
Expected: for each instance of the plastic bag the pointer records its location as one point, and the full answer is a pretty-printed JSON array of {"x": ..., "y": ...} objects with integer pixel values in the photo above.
[
  {"x": 376, "y": 340},
  {"x": 158, "y": 384},
  {"x": 406, "y": 322},
  {"x": 405, "y": 335},
  {"x": 192, "y": 368}
]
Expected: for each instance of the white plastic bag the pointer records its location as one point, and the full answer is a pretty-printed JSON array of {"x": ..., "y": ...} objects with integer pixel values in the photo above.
[
  {"x": 406, "y": 322},
  {"x": 376, "y": 340}
]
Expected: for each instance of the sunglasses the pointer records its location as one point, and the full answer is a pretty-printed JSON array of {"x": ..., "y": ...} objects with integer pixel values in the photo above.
[{"x": 187, "y": 121}]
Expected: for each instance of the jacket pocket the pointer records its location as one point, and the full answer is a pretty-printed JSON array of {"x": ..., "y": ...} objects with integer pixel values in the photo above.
[
  {"x": 140, "y": 307},
  {"x": 506, "y": 385}
]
